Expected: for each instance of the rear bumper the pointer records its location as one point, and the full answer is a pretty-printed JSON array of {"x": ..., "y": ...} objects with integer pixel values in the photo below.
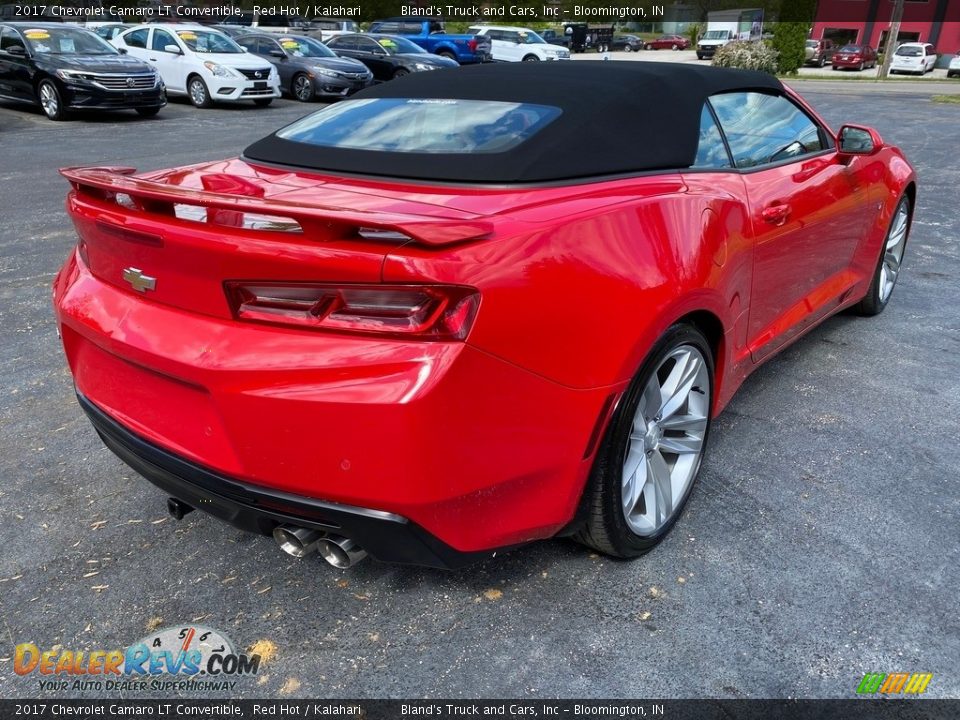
[
  {"x": 386, "y": 536},
  {"x": 477, "y": 452}
]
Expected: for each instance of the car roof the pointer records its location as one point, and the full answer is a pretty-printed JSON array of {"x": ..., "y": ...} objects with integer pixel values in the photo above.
[
  {"x": 20, "y": 25},
  {"x": 664, "y": 102}
]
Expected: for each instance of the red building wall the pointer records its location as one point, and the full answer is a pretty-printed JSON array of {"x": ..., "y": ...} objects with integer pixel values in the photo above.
[{"x": 936, "y": 21}]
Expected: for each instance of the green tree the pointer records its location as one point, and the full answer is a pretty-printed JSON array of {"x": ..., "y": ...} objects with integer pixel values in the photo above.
[{"x": 789, "y": 39}]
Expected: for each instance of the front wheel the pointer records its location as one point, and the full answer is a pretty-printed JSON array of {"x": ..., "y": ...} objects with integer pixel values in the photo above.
[
  {"x": 302, "y": 88},
  {"x": 651, "y": 453},
  {"x": 400, "y": 72},
  {"x": 888, "y": 267},
  {"x": 50, "y": 100},
  {"x": 675, "y": 47},
  {"x": 627, "y": 48},
  {"x": 531, "y": 58},
  {"x": 199, "y": 95}
]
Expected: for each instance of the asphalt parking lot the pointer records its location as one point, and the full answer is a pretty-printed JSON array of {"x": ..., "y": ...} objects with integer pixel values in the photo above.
[{"x": 821, "y": 542}]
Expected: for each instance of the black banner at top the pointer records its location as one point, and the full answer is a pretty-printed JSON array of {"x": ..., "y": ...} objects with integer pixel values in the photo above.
[
  {"x": 272, "y": 709},
  {"x": 518, "y": 12}
]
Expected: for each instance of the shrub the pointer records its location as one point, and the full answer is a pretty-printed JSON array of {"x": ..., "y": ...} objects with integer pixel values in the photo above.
[
  {"x": 790, "y": 39},
  {"x": 693, "y": 34},
  {"x": 747, "y": 56}
]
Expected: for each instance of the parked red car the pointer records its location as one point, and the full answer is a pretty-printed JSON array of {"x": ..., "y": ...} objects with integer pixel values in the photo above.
[
  {"x": 856, "y": 57},
  {"x": 404, "y": 325},
  {"x": 667, "y": 42}
]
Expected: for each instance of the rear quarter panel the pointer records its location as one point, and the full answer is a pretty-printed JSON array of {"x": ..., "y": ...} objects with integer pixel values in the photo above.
[{"x": 578, "y": 291}]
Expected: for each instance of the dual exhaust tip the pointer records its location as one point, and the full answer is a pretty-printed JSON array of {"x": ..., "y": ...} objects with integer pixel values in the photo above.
[
  {"x": 337, "y": 550},
  {"x": 299, "y": 542}
]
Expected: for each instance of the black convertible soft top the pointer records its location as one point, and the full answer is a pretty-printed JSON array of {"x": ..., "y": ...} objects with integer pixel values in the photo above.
[{"x": 617, "y": 118}]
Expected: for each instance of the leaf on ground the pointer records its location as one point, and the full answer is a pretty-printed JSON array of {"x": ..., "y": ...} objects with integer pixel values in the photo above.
[
  {"x": 493, "y": 594},
  {"x": 266, "y": 649},
  {"x": 153, "y": 623},
  {"x": 290, "y": 686}
]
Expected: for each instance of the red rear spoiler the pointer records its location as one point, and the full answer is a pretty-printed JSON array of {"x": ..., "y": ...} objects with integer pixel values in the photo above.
[{"x": 428, "y": 231}]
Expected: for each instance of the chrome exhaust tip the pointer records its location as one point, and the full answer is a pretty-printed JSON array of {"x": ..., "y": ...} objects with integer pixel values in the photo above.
[
  {"x": 341, "y": 552},
  {"x": 297, "y": 542}
]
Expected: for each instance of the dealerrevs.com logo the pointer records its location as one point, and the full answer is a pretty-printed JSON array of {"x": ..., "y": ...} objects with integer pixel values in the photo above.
[
  {"x": 894, "y": 683},
  {"x": 168, "y": 659}
]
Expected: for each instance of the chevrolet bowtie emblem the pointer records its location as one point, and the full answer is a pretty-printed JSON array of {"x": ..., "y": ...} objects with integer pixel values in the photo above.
[{"x": 139, "y": 281}]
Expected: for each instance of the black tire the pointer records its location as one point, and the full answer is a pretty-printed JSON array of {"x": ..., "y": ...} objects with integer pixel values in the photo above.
[
  {"x": 531, "y": 58},
  {"x": 51, "y": 101},
  {"x": 399, "y": 73},
  {"x": 448, "y": 55},
  {"x": 860, "y": 69},
  {"x": 148, "y": 112},
  {"x": 301, "y": 88},
  {"x": 198, "y": 93},
  {"x": 648, "y": 47},
  {"x": 627, "y": 48},
  {"x": 263, "y": 102},
  {"x": 872, "y": 303},
  {"x": 699, "y": 56},
  {"x": 823, "y": 61},
  {"x": 606, "y": 527}
]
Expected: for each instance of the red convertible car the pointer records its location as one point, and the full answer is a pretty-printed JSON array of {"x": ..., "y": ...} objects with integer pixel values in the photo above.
[{"x": 406, "y": 326}]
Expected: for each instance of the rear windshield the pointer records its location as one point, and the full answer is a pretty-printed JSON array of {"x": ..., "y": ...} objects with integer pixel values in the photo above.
[
  {"x": 909, "y": 51},
  {"x": 850, "y": 49},
  {"x": 812, "y": 43},
  {"x": 422, "y": 126}
]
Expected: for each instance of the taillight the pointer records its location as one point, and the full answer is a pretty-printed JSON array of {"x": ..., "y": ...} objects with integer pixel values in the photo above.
[
  {"x": 472, "y": 44},
  {"x": 424, "y": 312}
]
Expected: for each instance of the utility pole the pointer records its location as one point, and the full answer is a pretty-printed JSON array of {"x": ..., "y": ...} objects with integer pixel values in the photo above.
[{"x": 892, "y": 35}]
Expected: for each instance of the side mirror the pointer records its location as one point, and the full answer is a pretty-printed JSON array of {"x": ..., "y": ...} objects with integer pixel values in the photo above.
[
  {"x": 278, "y": 54},
  {"x": 122, "y": 51},
  {"x": 858, "y": 140},
  {"x": 175, "y": 49},
  {"x": 19, "y": 50}
]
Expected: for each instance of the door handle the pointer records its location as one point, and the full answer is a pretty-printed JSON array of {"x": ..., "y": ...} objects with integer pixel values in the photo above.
[
  {"x": 153, "y": 59},
  {"x": 776, "y": 214}
]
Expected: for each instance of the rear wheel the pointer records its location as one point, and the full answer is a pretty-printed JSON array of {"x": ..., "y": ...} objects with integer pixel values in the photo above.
[
  {"x": 50, "y": 100},
  {"x": 888, "y": 267},
  {"x": 675, "y": 47},
  {"x": 448, "y": 55},
  {"x": 302, "y": 88},
  {"x": 199, "y": 95},
  {"x": 627, "y": 48},
  {"x": 860, "y": 68},
  {"x": 652, "y": 451}
]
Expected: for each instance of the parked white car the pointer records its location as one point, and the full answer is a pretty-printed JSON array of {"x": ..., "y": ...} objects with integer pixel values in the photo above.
[
  {"x": 203, "y": 64},
  {"x": 517, "y": 44},
  {"x": 954, "y": 67},
  {"x": 916, "y": 58}
]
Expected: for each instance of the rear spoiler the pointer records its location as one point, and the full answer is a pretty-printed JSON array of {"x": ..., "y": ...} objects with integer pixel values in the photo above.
[{"x": 107, "y": 182}]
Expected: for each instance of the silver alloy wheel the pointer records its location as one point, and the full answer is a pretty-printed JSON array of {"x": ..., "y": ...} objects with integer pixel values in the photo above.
[
  {"x": 48, "y": 99},
  {"x": 303, "y": 88},
  {"x": 666, "y": 441},
  {"x": 893, "y": 252},
  {"x": 198, "y": 92}
]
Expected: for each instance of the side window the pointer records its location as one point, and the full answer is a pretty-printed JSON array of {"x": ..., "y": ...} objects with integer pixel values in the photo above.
[
  {"x": 8, "y": 38},
  {"x": 343, "y": 43},
  {"x": 711, "y": 152},
  {"x": 367, "y": 45},
  {"x": 161, "y": 38},
  {"x": 389, "y": 28},
  {"x": 137, "y": 38},
  {"x": 250, "y": 43},
  {"x": 410, "y": 28},
  {"x": 763, "y": 128}
]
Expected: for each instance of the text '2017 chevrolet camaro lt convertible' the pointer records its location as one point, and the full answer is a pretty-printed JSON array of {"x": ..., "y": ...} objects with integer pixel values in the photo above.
[{"x": 467, "y": 310}]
